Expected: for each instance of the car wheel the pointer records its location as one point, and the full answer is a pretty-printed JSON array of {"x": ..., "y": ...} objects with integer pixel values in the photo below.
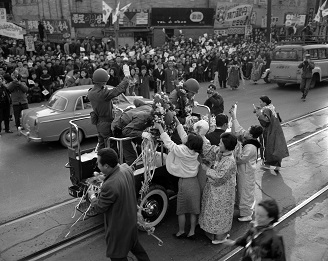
[
  {"x": 281, "y": 84},
  {"x": 154, "y": 205},
  {"x": 65, "y": 138}
]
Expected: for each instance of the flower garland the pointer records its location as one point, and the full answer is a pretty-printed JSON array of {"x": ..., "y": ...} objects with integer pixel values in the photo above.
[{"x": 162, "y": 107}]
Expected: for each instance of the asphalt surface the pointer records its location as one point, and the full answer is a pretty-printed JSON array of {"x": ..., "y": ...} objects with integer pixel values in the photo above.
[{"x": 33, "y": 177}]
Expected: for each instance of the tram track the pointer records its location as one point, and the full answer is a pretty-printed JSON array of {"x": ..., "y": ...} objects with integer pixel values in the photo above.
[{"x": 41, "y": 254}]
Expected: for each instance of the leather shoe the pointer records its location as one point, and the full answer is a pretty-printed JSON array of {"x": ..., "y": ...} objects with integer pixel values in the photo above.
[{"x": 9, "y": 131}]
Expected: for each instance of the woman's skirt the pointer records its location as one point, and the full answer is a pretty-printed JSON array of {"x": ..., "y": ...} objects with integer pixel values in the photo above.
[{"x": 188, "y": 200}]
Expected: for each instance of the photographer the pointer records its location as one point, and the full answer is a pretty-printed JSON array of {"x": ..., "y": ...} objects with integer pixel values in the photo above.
[
  {"x": 307, "y": 66},
  {"x": 214, "y": 101},
  {"x": 18, "y": 90}
]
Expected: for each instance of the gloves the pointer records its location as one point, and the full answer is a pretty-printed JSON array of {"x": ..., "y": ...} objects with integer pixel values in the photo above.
[{"x": 146, "y": 135}]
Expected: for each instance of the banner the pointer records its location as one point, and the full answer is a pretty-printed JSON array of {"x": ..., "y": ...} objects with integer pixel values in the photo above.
[
  {"x": 87, "y": 20},
  {"x": 292, "y": 20},
  {"x": 52, "y": 26},
  {"x": 229, "y": 15},
  {"x": 133, "y": 18},
  {"x": 11, "y": 30},
  {"x": 29, "y": 42},
  {"x": 3, "y": 15}
]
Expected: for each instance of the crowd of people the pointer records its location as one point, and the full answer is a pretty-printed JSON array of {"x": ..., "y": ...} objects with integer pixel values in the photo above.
[{"x": 210, "y": 165}]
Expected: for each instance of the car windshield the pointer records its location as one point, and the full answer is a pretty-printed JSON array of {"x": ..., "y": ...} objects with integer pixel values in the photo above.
[
  {"x": 285, "y": 55},
  {"x": 57, "y": 103},
  {"x": 122, "y": 99}
]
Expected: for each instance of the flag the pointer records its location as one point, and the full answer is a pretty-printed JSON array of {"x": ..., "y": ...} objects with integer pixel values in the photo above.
[
  {"x": 116, "y": 13},
  {"x": 125, "y": 8},
  {"x": 107, "y": 10},
  {"x": 322, "y": 10},
  {"x": 163, "y": 30}
]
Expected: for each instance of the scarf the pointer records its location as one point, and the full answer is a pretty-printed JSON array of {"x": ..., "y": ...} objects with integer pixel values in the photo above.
[{"x": 272, "y": 109}]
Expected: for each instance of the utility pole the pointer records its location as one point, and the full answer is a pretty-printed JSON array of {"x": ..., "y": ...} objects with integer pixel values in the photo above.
[
  {"x": 116, "y": 28},
  {"x": 269, "y": 7}
]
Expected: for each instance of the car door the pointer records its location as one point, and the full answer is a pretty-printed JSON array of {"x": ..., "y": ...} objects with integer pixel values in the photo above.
[{"x": 82, "y": 113}]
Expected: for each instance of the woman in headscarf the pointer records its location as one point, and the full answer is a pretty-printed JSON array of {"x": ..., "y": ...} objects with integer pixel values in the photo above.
[
  {"x": 275, "y": 145},
  {"x": 257, "y": 69}
]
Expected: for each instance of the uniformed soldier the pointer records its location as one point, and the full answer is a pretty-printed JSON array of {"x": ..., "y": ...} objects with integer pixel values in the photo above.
[{"x": 102, "y": 105}]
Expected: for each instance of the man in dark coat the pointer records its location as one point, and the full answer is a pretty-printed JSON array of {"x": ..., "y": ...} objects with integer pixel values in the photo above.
[
  {"x": 5, "y": 101},
  {"x": 221, "y": 126},
  {"x": 307, "y": 66},
  {"x": 214, "y": 101},
  {"x": 132, "y": 123},
  {"x": 117, "y": 200},
  {"x": 223, "y": 71},
  {"x": 171, "y": 77},
  {"x": 159, "y": 77}
]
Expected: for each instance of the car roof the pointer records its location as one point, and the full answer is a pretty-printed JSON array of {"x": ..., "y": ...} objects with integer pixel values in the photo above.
[
  {"x": 77, "y": 90},
  {"x": 300, "y": 46}
]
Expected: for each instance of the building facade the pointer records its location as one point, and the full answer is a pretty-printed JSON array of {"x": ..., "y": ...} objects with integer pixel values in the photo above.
[{"x": 147, "y": 19}]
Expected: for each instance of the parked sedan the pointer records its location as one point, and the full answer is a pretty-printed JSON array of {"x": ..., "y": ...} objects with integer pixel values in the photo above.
[{"x": 50, "y": 122}]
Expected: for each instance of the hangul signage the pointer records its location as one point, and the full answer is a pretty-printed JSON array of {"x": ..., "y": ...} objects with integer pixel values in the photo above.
[
  {"x": 29, "y": 42},
  {"x": 132, "y": 18},
  {"x": 3, "y": 15},
  {"x": 87, "y": 20},
  {"x": 52, "y": 26},
  {"x": 182, "y": 16}
]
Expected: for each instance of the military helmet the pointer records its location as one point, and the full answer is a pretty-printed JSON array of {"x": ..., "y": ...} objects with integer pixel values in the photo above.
[
  {"x": 100, "y": 76},
  {"x": 191, "y": 85}
]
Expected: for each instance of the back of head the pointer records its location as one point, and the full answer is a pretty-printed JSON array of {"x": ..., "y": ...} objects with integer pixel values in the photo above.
[
  {"x": 138, "y": 102},
  {"x": 195, "y": 142},
  {"x": 265, "y": 99},
  {"x": 256, "y": 131},
  {"x": 229, "y": 140},
  {"x": 221, "y": 119},
  {"x": 271, "y": 206},
  {"x": 108, "y": 156}
]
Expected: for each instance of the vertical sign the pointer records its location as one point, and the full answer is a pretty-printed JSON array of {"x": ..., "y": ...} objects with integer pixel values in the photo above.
[
  {"x": 29, "y": 42},
  {"x": 3, "y": 15}
]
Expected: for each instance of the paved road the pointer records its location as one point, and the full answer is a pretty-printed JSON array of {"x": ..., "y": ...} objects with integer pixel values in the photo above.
[
  {"x": 305, "y": 233},
  {"x": 33, "y": 175}
]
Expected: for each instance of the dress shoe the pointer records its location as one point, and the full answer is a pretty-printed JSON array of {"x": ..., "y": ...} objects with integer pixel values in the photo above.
[
  {"x": 216, "y": 242},
  {"x": 9, "y": 131}
]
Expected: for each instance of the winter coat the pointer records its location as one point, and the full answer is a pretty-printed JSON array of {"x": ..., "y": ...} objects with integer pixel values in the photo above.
[
  {"x": 215, "y": 103},
  {"x": 18, "y": 92},
  {"x": 170, "y": 75},
  {"x": 181, "y": 161},
  {"x": 117, "y": 200},
  {"x": 307, "y": 69},
  {"x": 133, "y": 122}
]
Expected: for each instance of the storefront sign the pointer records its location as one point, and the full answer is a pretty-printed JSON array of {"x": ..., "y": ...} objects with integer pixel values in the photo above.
[
  {"x": 87, "y": 20},
  {"x": 11, "y": 30},
  {"x": 3, "y": 15},
  {"x": 295, "y": 20},
  {"x": 29, "y": 42},
  {"x": 232, "y": 15},
  {"x": 132, "y": 19},
  {"x": 248, "y": 30},
  {"x": 182, "y": 16},
  {"x": 52, "y": 26}
]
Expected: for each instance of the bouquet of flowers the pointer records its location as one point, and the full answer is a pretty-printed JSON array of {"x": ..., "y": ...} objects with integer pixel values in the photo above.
[
  {"x": 163, "y": 112},
  {"x": 211, "y": 121},
  {"x": 184, "y": 104}
]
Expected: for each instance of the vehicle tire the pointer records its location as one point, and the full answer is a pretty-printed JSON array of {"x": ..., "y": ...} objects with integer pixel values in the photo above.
[
  {"x": 281, "y": 84},
  {"x": 65, "y": 138},
  {"x": 314, "y": 81},
  {"x": 154, "y": 205}
]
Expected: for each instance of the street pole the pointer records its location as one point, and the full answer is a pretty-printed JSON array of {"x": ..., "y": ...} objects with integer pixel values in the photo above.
[
  {"x": 269, "y": 5},
  {"x": 116, "y": 28}
]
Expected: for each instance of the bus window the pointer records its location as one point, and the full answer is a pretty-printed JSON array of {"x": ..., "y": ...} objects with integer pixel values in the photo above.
[
  {"x": 314, "y": 54},
  {"x": 322, "y": 53},
  {"x": 285, "y": 55}
]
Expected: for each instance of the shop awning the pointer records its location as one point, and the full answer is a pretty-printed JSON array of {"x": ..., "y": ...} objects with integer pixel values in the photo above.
[{"x": 11, "y": 30}]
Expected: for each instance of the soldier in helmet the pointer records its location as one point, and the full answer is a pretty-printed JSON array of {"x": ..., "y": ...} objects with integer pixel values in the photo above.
[
  {"x": 101, "y": 101},
  {"x": 183, "y": 96}
]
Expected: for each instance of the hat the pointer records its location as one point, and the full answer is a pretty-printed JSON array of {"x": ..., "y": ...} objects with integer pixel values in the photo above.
[
  {"x": 125, "y": 59},
  {"x": 85, "y": 58},
  {"x": 69, "y": 58}
]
